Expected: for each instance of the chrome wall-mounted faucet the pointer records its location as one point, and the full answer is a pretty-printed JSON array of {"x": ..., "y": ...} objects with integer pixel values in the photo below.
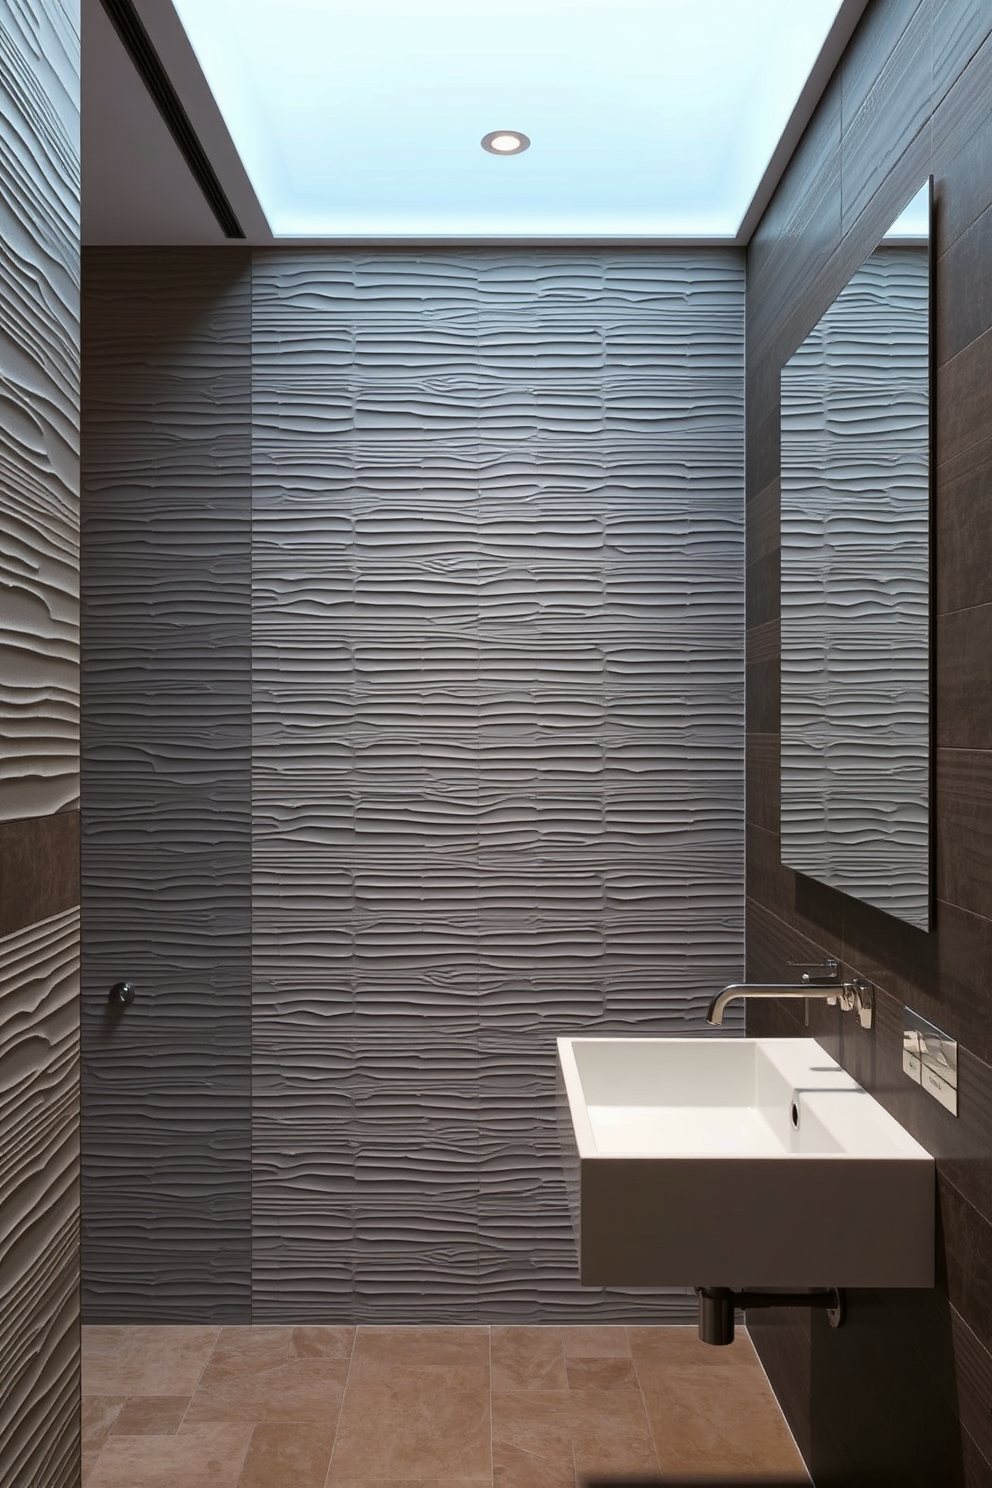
[{"x": 820, "y": 980}]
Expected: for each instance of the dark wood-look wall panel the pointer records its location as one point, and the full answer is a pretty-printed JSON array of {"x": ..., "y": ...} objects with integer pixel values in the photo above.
[
  {"x": 961, "y": 130},
  {"x": 910, "y": 97},
  {"x": 39, "y": 744},
  {"x": 964, "y": 417},
  {"x": 962, "y": 318},
  {"x": 39, "y": 868},
  {"x": 166, "y": 785},
  {"x": 963, "y": 575},
  {"x": 964, "y": 679}
]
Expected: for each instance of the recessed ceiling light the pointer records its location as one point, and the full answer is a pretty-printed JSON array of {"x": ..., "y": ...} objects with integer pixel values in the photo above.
[{"x": 505, "y": 142}]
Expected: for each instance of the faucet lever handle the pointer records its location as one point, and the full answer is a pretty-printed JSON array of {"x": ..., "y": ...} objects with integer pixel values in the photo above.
[{"x": 816, "y": 973}]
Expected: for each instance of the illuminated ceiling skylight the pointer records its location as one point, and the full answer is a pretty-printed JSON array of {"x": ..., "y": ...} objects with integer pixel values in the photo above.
[{"x": 646, "y": 118}]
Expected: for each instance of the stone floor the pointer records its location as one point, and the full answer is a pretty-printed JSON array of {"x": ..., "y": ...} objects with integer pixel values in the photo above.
[{"x": 469, "y": 1407}]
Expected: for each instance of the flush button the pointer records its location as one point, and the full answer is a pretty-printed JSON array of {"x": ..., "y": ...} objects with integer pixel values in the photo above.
[
  {"x": 930, "y": 1057},
  {"x": 912, "y": 1066},
  {"x": 911, "y": 1062},
  {"x": 941, "y": 1090}
]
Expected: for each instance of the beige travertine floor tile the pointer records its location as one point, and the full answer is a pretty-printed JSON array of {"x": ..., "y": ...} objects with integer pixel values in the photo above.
[
  {"x": 251, "y": 1342},
  {"x": 595, "y": 1343},
  {"x": 527, "y": 1359},
  {"x": 674, "y": 1348},
  {"x": 151, "y": 1415},
  {"x": 413, "y": 1421},
  {"x": 610, "y": 1433},
  {"x": 456, "y": 1346},
  {"x": 288, "y": 1456},
  {"x": 602, "y": 1374},
  {"x": 719, "y": 1420},
  {"x": 150, "y": 1361},
  {"x": 514, "y": 1410},
  {"x": 568, "y": 1405},
  {"x": 97, "y": 1339},
  {"x": 531, "y": 1440},
  {"x": 513, "y": 1467},
  {"x": 260, "y": 1374},
  {"x": 99, "y": 1412},
  {"x": 209, "y": 1457},
  {"x": 332, "y": 1342}
]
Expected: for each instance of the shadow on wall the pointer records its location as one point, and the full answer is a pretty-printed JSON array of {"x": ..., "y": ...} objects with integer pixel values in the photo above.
[
  {"x": 897, "y": 1397},
  {"x": 885, "y": 1395}
]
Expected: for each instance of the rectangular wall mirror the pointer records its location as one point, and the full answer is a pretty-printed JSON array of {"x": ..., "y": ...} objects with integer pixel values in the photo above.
[{"x": 856, "y": 583}]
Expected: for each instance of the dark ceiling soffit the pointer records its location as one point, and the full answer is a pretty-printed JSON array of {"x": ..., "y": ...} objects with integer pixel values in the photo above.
[
  {"x": 840, "y": 33},
  {"x": 127, "y": 23}
]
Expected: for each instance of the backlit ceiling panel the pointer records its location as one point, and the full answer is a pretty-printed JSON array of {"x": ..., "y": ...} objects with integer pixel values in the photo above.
[{"x": 647, "y": 118}]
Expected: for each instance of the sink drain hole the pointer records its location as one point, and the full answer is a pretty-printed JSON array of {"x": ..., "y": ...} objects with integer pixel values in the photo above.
[{"x": 795, "y": 1114}]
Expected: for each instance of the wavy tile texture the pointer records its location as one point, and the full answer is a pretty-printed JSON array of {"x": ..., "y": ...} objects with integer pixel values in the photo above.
[
  {"x": 166, "y": 834},
  {"x": 855, "y": 591},
  {"x": 486, "y": 688},
  {"x": 497, "y": 671},
  {"x": 39, "y": 406},
  {"x": 39, "y": 750},
  {"x": 39, "y": 1202}
]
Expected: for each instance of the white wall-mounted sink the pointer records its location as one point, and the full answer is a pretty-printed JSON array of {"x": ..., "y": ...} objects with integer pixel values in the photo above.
[{"x": 740, "y": 1163}]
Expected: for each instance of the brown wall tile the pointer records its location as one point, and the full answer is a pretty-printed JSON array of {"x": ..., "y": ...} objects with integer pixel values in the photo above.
[
  {"x": 761, "y": 775},
  {"x": 764, "y": 644},
  {"x": 967, "y": 314},
  {"x": 963, "y": 520},
  {"x": 964, "y": 409},
  {"x": 763, "y": 578},
  {"x": 39, "y": 869},
  {"x": 964, "y": 829},
  {"x": 910, "y": 62},
  {"x": 763, "y": 695},
  {"x": 964, "y": 678},
  {"x": 763, "y": 535},
  {"x": 962, "y": 143}
]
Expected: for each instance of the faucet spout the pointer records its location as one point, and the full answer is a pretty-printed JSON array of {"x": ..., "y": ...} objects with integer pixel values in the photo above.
[
  {"x": 856, "y": 994},
  {"x": 767, "y": 989}
]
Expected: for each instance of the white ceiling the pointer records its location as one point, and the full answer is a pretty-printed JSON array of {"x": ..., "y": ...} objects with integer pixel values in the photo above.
[{"x": 137, "y": 188}]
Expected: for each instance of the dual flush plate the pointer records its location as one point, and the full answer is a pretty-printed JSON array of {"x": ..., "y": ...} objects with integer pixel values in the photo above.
[{"x": 931, "y": 1059}]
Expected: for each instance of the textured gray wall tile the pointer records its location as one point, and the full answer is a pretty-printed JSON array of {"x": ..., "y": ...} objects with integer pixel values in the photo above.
[
  {"x": 496, "y": 756},
  {"x": 39, "y": 1199},
  {"x": 39, "y": 741},
  {"x": 39, "y": 407},
  {"x": 167, "y": 786},
  {"x": 497, "y": 753}
]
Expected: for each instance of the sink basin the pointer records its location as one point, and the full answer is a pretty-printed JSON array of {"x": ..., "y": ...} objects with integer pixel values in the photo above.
[{"x": 740, "y": 1163}]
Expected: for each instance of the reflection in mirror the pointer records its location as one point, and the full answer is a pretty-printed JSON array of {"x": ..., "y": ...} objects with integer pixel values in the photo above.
[{"x": 855, "y": 583}]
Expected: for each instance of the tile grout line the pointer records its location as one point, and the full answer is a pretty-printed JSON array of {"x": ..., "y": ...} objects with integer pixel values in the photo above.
[
  {"x": 778, "y": 1405},
  {"x": 492, "y": 1447},
  {"x": 254, "y": 1424},
  {"x": 199, "y": 1380},
  {"x": 644, "y": 1402},
  {"x": 344, "y": 1396},
  {"x": 568, "y": 1408},
  {"x": 83, "y": 1395}
]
